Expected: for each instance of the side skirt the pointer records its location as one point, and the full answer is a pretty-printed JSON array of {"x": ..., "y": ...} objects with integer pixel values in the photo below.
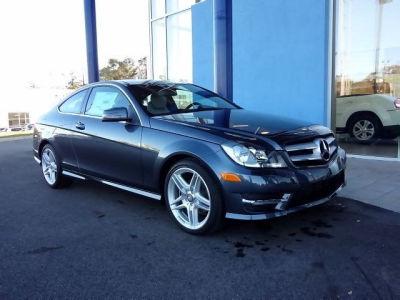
[{"x": 116, "y": 185}]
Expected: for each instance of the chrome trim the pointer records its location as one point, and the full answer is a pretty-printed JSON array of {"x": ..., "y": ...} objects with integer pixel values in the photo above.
[
  {"x": 70, "y": 174},
  {"x": 132, "y": 190},
  {"x": 261, "y": 202},
  {"x": 37, "y": 160},
  {"x": 284, "y": 202},
  {"x": 285, "y": 197},
  {"x": 276, "y": 214},
  {"x": 314, "y": 146}
]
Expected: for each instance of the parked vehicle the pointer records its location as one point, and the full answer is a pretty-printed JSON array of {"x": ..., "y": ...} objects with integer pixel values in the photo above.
[
  {"x": 3, "y": 129},
  {"x": 368, "y": 117},
  {"x": 28, "y": 127},
  {"x": 206, "y": 157}
]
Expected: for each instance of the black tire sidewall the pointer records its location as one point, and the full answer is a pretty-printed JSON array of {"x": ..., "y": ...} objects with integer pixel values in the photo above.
[{"x": 215, "y": 219}]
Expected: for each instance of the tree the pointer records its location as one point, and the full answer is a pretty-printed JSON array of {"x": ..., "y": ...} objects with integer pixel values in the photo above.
[
  {"x": 119, "y": 69},
  {"x": 74, "y": 83},
  {"x": 142, "y": 68}
]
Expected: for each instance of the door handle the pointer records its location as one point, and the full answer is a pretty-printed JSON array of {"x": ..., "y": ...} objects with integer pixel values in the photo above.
[{"x": 80, "y": 126}]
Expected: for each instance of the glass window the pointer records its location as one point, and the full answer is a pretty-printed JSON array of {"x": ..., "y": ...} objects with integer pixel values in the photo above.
[
  {"x": 130, "y": 20},
  {"x": 176, "y": 5},
  {"x": 159, "y": 50},
  {"x": 368, "y": 77},
  {"x": 162, "y": 99},
  {"x": 179, "y": 45},
  {"x": 74, "y": 103},
  {"x": 103, "y": 98},
  {"x": 157, "y": 8}
]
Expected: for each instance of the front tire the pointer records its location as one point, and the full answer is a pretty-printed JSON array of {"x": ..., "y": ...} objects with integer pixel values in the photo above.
[
  {"x": 193, "y": 198},
  {"x": 51, "y": 168},
  {"x": 365, "y": 128}
]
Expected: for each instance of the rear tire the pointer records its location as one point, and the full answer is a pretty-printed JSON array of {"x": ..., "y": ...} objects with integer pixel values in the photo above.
[
  {"x": 193, "y": 198},
  {"x": 51, "y": 168},
  {"x": 365, "y": 128}
]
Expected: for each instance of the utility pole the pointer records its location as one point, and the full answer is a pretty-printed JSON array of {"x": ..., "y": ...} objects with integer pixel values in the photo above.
[{"x": 91, "y": 40}]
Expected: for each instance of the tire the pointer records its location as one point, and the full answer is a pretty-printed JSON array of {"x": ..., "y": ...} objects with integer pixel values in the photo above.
[
  {"x": 51, "y": 168},
  {"x": 365, "y": 128},
  {"x": 190, "y": 198}
]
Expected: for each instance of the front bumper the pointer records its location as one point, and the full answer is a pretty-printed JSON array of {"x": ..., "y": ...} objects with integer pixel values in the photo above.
[
  {"x": 278, "y": 213},
  {"x": 270, "y": 193}
]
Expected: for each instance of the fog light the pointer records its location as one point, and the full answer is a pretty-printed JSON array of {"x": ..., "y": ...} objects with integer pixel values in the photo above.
[{"x": 230, "y": 177}]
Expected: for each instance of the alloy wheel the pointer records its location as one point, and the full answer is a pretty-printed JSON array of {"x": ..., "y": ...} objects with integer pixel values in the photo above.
[
  {"x": 49, "y": 166},
  {"x": 189, "y": 198},
  {"x": 363, "y": 130}
]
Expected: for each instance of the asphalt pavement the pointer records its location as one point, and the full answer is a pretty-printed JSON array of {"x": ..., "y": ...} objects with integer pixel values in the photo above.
[{"x": 92, "y": 241}]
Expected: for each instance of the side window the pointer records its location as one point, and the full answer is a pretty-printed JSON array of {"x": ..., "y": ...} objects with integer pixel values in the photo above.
[
  {"x": 103, "y": 98},
  {"x": 74, "y": 103},
  {"x": 183, "y": 98}
]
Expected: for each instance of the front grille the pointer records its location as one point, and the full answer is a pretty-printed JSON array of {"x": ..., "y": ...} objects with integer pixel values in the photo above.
[{"x": 309, "y": 153}]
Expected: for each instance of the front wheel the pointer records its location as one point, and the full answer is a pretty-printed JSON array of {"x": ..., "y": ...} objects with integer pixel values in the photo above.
[
  {"x": 365, "y": 128},
  {"x": 193, "y": 198}
]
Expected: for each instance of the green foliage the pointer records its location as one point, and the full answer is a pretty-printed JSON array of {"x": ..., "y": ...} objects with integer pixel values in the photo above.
[
  {"x": 122, "y": 69},
  {"x": 74, "y": 83}
]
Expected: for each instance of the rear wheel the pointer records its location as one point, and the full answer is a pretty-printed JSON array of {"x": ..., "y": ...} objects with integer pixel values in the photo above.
[
  {"x": 51, "y": 168},
  {"x": 365, "y": 128},
  {"x": 193, "y": 198}
]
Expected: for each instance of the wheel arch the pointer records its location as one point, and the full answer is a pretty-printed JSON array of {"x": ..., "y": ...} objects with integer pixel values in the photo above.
[
  {"x": 176, "y": 157},
  {"x": 43, "y": 143},
  {"x": 360, "y": 113}
]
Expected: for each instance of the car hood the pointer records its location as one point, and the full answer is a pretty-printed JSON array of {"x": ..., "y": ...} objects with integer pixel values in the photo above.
[{"x": 247, "y": 123}]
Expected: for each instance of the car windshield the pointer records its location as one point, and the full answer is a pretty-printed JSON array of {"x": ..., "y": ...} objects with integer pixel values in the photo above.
[{"x": 164, "y": 99}]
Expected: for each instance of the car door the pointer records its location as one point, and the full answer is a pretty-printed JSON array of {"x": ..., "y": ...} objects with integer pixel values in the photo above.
[
  {"x": 65, "y": 131},
  {"x": 109, "y": 150}
]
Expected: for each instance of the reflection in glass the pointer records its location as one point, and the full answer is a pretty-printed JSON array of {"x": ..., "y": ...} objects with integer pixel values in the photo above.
[
  {"x": 368, "y": 76},
  {"x": 179, "y": 34},
  {"x": 123, "y": 39},
  {"x": 157, "y": 8},
  {"x": 176, "y": 5},
  {"x": 159, "y": 50}
]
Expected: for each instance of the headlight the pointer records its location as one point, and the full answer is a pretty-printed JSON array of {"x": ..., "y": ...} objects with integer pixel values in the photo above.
[{"x": 253, "y": 158}]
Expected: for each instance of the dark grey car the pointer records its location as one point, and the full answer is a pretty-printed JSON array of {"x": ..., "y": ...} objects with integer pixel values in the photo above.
[{"x": 206, "y": 157}]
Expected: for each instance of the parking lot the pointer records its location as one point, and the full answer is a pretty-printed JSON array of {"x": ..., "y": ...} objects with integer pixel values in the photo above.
[{"x": 90, "y": 240}]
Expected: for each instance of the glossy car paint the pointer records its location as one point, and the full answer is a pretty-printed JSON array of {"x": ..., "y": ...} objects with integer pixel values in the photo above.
[{"x": 137, "y": 155}]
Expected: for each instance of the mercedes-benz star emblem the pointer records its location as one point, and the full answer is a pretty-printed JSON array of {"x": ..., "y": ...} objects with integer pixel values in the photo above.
[{"x": 324, "y": 147}]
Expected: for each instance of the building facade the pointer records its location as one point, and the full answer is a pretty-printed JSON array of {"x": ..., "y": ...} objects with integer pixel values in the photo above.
[
  {"x": 26, "y": 106},
  {"x": 333, "y": 62}
]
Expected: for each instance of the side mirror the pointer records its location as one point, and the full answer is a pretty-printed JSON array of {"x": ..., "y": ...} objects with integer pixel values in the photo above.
[{"x": 116, "y": 114}]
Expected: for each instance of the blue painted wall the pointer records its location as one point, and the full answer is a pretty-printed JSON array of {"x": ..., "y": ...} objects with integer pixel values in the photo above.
[
  {"x": 202, "y": 43},
  {"x": 280, "y": 57}
]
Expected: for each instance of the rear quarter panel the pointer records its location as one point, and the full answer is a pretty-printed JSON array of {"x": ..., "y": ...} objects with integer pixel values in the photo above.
[{"x": 56, "y": 128}]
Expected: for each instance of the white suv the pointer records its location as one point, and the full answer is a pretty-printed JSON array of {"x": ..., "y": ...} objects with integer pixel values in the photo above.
[{"x": 368, "y": 117}]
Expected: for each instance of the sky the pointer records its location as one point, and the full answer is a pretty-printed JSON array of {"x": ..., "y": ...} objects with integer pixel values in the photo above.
[
  {"x": 43, "y": 41},
  {"x": 358, "y": 32}
]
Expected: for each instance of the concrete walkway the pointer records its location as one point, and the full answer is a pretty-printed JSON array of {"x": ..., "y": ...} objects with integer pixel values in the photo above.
[{"x": 374, "y": 182}]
